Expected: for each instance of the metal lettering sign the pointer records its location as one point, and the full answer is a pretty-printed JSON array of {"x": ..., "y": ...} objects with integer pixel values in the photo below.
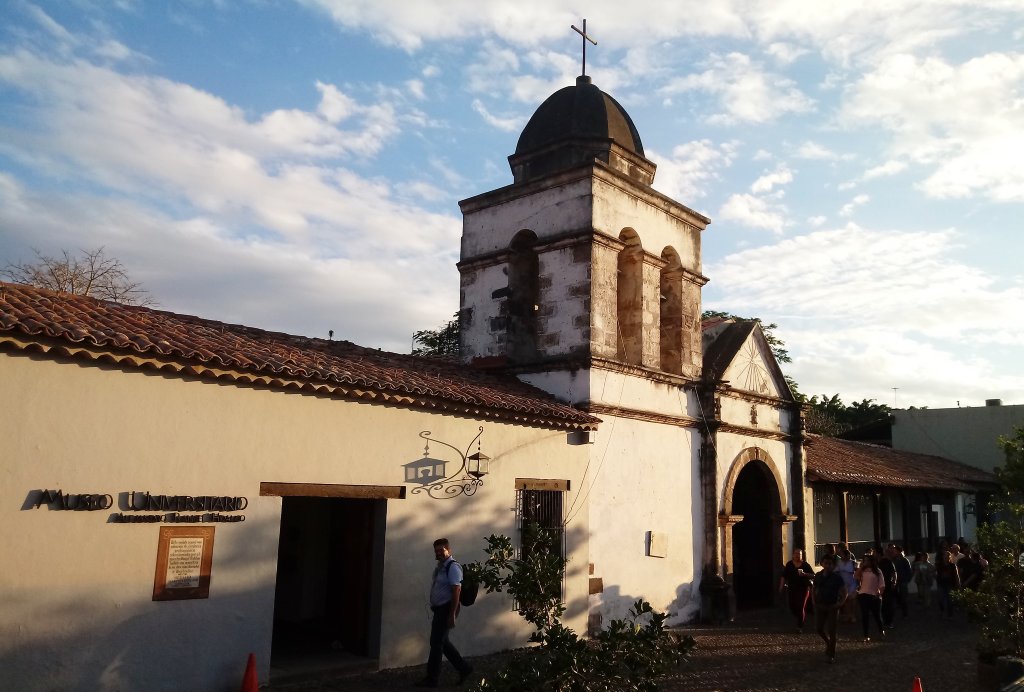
[{"x": 134, "y": 506}]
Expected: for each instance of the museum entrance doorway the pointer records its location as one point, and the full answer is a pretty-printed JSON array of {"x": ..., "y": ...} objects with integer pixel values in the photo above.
[
  {"x": 755, "y": 538},
  {"x": 327, "y": 602}
]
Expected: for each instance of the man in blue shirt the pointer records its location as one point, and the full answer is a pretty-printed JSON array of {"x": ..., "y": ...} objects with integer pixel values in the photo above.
[{"x": 445, "y": 589}]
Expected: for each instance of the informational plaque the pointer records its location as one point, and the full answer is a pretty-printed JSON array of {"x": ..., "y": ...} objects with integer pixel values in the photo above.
[{"x": 183, "y": 560}]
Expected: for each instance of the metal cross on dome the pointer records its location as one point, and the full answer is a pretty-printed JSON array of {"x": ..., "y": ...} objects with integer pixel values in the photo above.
[{"x": 586, "y": 38}]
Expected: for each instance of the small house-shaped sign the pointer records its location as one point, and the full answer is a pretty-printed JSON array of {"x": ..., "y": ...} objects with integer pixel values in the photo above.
[{"x": 425, "y": 471}]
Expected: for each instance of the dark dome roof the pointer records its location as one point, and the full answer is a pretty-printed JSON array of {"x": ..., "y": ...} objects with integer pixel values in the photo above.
[{"x": 579, "y": 112}]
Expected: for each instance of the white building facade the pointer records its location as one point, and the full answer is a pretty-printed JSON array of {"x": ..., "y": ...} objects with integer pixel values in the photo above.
[
  {"x": 663, "y": 448},
  {"x": 585, "y": 282}
]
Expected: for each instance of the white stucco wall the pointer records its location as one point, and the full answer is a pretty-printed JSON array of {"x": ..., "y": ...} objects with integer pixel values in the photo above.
[
  {"x": 77, "y": 589},
  {"x": 643, "y": 476}
]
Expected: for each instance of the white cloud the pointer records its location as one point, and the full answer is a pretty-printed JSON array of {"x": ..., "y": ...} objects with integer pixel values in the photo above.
[
  {"x": 447, "y": 173},
  {"x": 415, "y": 87},
  {"x": 817, "y": 221},
  {"x": 964, "y": 121},
  {"x": 883, "y": 278},
  {"x": 692, "y": 168},
  {"x": 754, "y": 212},
  {"x": 816, "y": 152},
  {"x": 867, "y": 304},
  {"x": 780, "y": 176},
  {"x": 848, "y": 208},
  {"x": 745, "y": 91},
  {"x": 785, "y": 53},
  {"x": 886, "y": 169},
  {"x": 49, "y": 24},
  {"x": 870, "y": 30},
  {"x": 843, "y": 32},
  {"x": 527, "y": 22},
  {"x": 513, "y": 124},
  {"x": 149, "y": 136}
]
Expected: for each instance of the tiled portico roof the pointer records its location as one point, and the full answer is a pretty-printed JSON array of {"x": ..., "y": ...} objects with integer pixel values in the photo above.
[
  {"x": 79, "y": 327},
  {"x": 858, "y": 463}
]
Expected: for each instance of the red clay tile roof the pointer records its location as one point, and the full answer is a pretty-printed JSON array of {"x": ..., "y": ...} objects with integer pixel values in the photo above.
[
  {"x": 86, "y": 328},
  {"x": 858, "y": 463}
]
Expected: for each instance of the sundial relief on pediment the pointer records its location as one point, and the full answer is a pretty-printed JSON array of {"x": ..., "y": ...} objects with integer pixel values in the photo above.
[{"x": 750, "y": 370}]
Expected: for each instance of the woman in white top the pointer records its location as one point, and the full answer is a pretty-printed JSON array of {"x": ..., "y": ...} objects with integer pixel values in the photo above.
[{"x": 869, "y": 594}]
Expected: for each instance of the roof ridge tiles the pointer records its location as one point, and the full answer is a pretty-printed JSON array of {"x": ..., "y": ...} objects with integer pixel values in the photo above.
[{"x": 201, "y": 345}]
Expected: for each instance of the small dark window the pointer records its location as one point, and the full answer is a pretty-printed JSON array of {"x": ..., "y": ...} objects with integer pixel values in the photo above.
[{"x": 523, "y": 298}]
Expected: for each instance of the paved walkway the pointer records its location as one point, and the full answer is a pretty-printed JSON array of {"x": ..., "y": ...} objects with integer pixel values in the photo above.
[{"x": 762, "y": 652}]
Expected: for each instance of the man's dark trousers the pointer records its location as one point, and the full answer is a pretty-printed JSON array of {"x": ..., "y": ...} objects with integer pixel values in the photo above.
[
  {"x": 439, "y": 644},
  {"x": 827, "y": 620}
]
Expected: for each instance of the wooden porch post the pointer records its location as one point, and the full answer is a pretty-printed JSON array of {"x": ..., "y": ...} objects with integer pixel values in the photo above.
[
  {"x": 876, "y": 510},
  {"x": 844, "y": 526}
]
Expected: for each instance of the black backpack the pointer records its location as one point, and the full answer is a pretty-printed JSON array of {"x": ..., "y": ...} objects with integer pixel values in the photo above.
[{"x": 470, "y": 587}]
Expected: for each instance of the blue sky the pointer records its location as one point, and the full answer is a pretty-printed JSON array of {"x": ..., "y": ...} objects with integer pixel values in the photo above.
[{"x": 296, "y": 166}]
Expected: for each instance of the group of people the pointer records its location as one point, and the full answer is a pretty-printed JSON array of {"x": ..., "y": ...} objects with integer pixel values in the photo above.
[{"x": 876, "y": 586}]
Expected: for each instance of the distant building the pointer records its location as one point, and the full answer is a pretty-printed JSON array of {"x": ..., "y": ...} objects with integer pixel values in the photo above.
[
  {"x": 868, "y": 495},
  {"x": 967, "y": 435}
]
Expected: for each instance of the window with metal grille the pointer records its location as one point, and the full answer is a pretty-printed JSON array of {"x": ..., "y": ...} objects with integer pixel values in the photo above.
[{"x": 543, "y": 510}]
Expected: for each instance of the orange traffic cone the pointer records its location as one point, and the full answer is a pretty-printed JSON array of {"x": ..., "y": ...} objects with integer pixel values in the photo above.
[
  {"x": 917, "y": 685},
  {"x": 250, "y": 683}
]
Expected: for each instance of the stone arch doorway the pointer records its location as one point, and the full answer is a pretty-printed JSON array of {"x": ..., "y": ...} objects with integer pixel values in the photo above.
[{"x": 754, "y": 520}]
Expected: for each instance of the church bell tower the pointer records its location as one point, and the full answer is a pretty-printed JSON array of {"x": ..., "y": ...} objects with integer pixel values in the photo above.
[{"x": 580, "y": 263}]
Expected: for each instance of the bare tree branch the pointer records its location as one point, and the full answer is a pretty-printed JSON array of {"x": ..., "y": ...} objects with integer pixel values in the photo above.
[{"x": 88, "y": 273}]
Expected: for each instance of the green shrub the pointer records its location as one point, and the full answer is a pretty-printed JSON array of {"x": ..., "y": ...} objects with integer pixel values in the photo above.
[
  {"x": 999, "y": 601},
  {"x": 631, "y": 654}
]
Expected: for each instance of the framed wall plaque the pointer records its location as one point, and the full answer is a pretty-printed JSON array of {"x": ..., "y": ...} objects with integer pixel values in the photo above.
[{"x": 184, "y": 557}]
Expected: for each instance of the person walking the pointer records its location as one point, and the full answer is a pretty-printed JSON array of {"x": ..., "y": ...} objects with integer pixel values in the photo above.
[
  {"x": 829, "y": 595},
  {"x": 924, "y": 579},
  {"x": 796, "y": 580},
  {"x": 904, "y": 575},
  {"x": 869, "y": 594},
  {"x": 846, "y": 567},
  {"x": 947, "y": 578},
  {"x": 887, "y": 566},
  {"x": 445, "y": 589}
]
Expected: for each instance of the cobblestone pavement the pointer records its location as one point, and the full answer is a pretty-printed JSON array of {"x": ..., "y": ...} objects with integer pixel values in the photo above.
[{"x": 762, "y": 652}]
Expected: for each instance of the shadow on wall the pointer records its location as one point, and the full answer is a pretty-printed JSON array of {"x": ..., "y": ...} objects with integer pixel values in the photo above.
[
  {"x": 136, "y": 643},
  {"x": 683, "y": 609},
  {"x": 491, "y": 623},
  {"x": 88, "y": 642}
]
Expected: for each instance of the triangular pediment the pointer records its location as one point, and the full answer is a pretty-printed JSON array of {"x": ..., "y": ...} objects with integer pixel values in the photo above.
[{"x": 754, "y": 369}]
